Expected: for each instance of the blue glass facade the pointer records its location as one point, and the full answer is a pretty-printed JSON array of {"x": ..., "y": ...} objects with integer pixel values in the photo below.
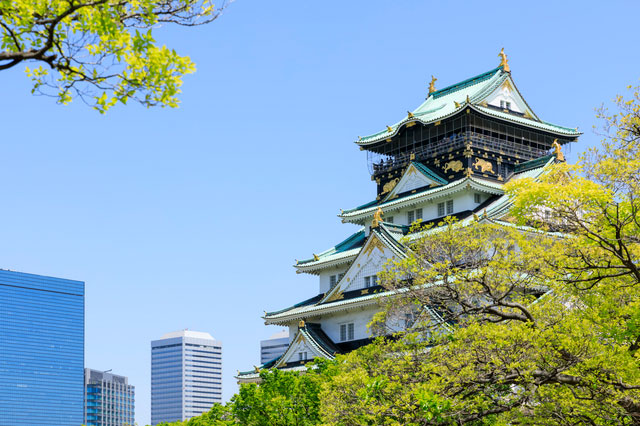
[{"x": 41, "y": 350}]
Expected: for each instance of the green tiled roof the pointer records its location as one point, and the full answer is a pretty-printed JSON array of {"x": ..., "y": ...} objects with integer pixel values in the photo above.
[
  {"x": 441, "y": 104},
  {"x": 492, "y": 187},
  {"x": 466, "y": 83},
  {"x": 452, "y": 99},
  {"x": 428, "y": 172},
  {"x": 542, "y": 125},
  {"x": 532, "y": 164},
  {"x": 349, "y": 243}
]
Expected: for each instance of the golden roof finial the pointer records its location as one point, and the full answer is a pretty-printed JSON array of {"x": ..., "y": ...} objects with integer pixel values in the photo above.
[
  {"x": 409, "y": 114},
  {"x": 432, "y": 85},
  {"x": 412, "y": 156},
  {"x": 301, "y": 324},
  {"x": 504, "y": 63},
  {"x": 377, "y": 218},
  {"x": 315, "y": 257},
  {"x": 557, "y": 150},
  {"x": 389, "y": 129},
  {"x": 468, "y": 100},
  {"x": 256, "y": 369},
  {"x": 457, "y": 104},
  {"x": 484, "y": 213}
]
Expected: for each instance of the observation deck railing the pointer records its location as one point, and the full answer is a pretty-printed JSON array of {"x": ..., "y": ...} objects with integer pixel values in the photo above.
[{"x": 379, "y": 163}]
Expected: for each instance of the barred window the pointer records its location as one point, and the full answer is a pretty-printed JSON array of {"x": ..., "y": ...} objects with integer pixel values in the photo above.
[
  {"x": 449, "y": 206},
  {"x": 346, "y": 332}
]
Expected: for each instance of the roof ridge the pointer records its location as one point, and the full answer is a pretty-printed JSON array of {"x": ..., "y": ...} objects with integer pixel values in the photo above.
[
  {"x": 465, "y": 83},
  {"x": 428, "y": 172},
  {"x": 349, "y": 242}
]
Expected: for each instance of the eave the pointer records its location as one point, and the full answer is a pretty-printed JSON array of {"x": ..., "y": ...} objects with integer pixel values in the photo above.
[
  {"x": 314, "y": 311},
  {"x": 477, "y": 184}
]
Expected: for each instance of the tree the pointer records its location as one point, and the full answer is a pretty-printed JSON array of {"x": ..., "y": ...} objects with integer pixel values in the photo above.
[
  {"x": 531, "y": 321},
  {"x": 101, "y": 51},
  {"x": 281, "y": 399}
]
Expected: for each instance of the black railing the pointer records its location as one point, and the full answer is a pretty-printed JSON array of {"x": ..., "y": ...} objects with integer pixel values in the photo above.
[{"x": 507, "y": 147}]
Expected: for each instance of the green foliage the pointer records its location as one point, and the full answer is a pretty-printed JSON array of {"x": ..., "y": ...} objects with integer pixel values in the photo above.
[
  {"x": 281, "y": 399},
  {"x": 102, "y": 51}
]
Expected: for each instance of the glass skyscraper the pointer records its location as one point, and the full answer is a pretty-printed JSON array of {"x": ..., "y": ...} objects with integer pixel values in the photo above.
[
  {"x": 186, "y": 375},
  {"x": 41, "y": 350},
  {"x": 109, "y": 399}
]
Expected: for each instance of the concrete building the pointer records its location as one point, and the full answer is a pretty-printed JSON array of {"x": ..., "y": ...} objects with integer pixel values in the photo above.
[
  {"x": 109, "y": 399},
  {"x": 41, "y": 350},
  {"x": 186, "y": 375},
  {"x": 274, "y": 346}
]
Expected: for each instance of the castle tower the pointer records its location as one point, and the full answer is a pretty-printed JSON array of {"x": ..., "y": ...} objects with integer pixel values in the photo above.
[{"x": 451, "y": 156}]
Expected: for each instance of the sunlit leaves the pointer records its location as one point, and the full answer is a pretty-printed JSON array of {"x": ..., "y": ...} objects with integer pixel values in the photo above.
[{"x": 101, "y": 51}]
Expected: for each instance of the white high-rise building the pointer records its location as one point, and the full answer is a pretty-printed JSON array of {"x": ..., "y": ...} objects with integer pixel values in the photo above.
[
  {"x": 274, "y": 346},
  {"x": 186, "y": 375}
]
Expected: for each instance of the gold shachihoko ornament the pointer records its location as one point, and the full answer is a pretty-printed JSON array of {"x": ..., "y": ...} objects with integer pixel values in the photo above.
[
  {"x": 377, "y": 218},
  {"x": 504, "y": 63}
]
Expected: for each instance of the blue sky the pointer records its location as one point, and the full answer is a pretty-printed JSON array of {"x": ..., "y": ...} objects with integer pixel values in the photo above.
[{"x": 192, "y": 217}]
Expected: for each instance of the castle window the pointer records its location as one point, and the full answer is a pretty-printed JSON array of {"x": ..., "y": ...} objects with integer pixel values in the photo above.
[
  {"x": 302, "y": 356},
  {"x": 449, "y": 206},
  {"x": 389, "y": 219},
  {"x": 346, "y": 332},
  {"x": 333, "y": 280},
  {"x": 371, "y": 281},
  {"x": 414, "y": 215},
  {"x": 440, "y": 209},
  {"x": 477, "y": 198},
  {"x": 340, "y": 276},
  {"x": 408, "y": 320},
  {"x": 505, "y": 104}
]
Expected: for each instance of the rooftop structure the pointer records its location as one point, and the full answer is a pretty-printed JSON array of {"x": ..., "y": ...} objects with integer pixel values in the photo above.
[{"x": 451, "y": 156}]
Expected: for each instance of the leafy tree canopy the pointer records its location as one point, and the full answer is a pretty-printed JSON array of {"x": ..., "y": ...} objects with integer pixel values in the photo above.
[
  {"x": 102, "y": 51},
  {"x": 281, "y": 399}
]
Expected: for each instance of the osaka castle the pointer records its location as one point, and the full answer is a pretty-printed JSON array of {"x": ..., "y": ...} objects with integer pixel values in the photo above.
[{"x": 451, "y": 156}]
